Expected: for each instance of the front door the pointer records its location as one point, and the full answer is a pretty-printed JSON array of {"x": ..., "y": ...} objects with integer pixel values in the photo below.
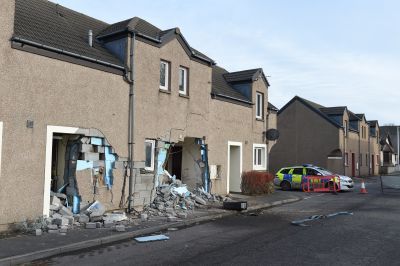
[
  {"x": 353, "y": 164},
  {"x": 234, "y": 167}
]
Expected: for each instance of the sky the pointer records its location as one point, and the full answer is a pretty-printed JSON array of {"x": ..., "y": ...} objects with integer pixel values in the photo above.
[{"x": 335, "y": 53}]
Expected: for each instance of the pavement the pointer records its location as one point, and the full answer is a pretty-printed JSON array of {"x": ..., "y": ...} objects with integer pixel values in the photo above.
[{"x": 25, "y": 248}]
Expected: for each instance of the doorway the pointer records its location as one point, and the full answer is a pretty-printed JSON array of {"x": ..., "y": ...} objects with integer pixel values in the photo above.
[
  {"x": 234, "y": 166},
  {"x": 353, "y": 165},
  {"x": 174, "y": 162},
  {"x": 373, "y": 164}
]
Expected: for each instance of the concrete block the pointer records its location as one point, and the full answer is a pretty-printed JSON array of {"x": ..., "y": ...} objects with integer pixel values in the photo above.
[
  {"x": 70, "y": 219},
  {"x": 120, "y": 228},
  {"x": 57, "y": 215},
  {"x": 83, "y": 218},
  {"x": 200, "y": 200},
  {"x": 108, "y": 224},
  {"x": 98, "y": 149},
  {"x": 55, "y": 201},
  {"x": 61, "y": 222},
  {"x": 140, "y": 187},
  {"x": 85, "y": 140},
  {"x": 54, "y": 207},
  {"x": 65, "y": 211},
  {"x": 90, "y": 156},
  {"x": 90, "y": 226},
  {"x": 119, "y": 165},
  {"x": 96, "y": 218},
  {"x": 99, "y": 224},
  {"x": 52, "y": 227},
  {"x": 97, "y": 164},
  {"x": 86, "y": 148},
  {"x": 53, "y": 231},
  {"x": 143, "y": 216},
  {"x": 63, "y": 229},
  {"x": 38, "y": 232},
  {"x": 169, "y": 210},
  {"x": 172, "y": 219},
  {"x": 182, "y": 215}
]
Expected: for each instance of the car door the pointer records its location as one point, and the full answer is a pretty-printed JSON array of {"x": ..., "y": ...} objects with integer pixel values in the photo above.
[
  {"x": 311, "y": 172},
  {"x": 297, "y": 176}
]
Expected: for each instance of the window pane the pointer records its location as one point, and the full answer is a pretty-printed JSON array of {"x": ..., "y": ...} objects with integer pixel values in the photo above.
[
  {"x": 181, "y": 79},
  {"x": 298, "y": 171},
  {"x": 255, "y": 157},
  {"x": 259, "y": 157},
  {"x": 163, "y": 69},
  {"x": 148, "y": 150}
]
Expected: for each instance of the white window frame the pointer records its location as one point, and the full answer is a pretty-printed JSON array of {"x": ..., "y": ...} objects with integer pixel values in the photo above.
[
  {"x": 153, "y": 145},
  {"x": 185, "y": 80},
  {"x": 166, "y": 87},
  {"x": 263, "y": 165},
  {"x": 259, "y": 107}
]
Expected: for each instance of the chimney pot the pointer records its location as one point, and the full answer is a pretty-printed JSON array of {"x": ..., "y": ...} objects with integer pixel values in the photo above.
[{"x": 90, "y": 35}]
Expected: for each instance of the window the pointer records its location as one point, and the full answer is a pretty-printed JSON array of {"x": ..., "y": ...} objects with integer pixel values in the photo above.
[
  {"x": 298, "y": 171},
  {"x": 259, "y": 105},
  {"x": 285, "y": 171},
  {"x": 259, "y": 156},
  {"x": 366, "y": 159},
  {"x": 183, "y": 80},
  {"x": 149, "y": 151},
  {"x": 377, "y": 159},
  {"x": 346, "y": 126},
  {"x": 346, "y": 159},
  {"x": 360, "y": 159},
  {"x": 312, "y": 172},
  {"x": 164, "y": 75}
]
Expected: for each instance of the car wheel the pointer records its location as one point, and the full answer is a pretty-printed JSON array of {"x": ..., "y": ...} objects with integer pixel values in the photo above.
[{"x": 285, "y": 185}]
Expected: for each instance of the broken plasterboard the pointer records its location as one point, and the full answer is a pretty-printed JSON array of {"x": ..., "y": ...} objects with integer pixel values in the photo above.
[{"x": 151, "y": 238}]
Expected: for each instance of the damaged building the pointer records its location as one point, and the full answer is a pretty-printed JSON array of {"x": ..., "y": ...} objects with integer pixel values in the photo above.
[{"x": 109, "y": 112}]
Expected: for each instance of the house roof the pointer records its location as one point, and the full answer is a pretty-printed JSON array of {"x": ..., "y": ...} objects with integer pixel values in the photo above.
[
  {"x": 391, "y": 132},
  {"x": 50, "y": 24},
  {"x": 221, "y": 87},
  {"x": 373, "y": 123},
  {"x": 151, "y": 32},
  {"x": 353, "y": 116},
  {"x": 272, "y": 107},
  {"x": 338, "y": 110}
]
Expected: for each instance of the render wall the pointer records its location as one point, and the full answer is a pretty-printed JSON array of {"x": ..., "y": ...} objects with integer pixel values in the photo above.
[
  {"x": 48, "y": 92},
  {"x": 305, "y": 138},
  {"x": 235, "y": 123}
]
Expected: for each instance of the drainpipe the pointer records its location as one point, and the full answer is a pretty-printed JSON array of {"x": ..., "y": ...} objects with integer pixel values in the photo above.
[
  {"x": 359, "y": 152},
  {"x": 131, "y": 122},
  {"x": 398, "y": 145},
  {"x": 369, "y": 151},
  {"x": 344, "y": 151}
]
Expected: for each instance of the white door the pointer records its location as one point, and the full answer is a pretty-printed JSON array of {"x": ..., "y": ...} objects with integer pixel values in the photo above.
[{"x": 234, "y": 166}]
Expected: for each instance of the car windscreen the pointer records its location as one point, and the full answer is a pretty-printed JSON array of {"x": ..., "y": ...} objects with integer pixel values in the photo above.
[{"x": 324, "y": 171}]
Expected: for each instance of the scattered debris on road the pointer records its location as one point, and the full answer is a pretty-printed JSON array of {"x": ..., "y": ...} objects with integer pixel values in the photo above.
[
  {"x": 151, "y": 238},
  {"x": 317, "y": 217}
]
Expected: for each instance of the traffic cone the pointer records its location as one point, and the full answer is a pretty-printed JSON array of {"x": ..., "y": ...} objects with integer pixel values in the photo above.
[{"x": 363, "y": 189}]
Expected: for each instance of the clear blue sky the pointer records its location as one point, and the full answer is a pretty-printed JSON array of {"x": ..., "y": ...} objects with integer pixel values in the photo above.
[{"x": 335, "y": 53}]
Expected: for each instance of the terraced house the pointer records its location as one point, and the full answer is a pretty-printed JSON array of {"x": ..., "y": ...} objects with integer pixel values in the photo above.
[
  {"x": 331, "y": 137},
  {"x": 101, "y": 111}
]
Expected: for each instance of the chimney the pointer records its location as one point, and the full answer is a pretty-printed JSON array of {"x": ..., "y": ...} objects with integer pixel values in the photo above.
[{"x": 90, "y": 35}]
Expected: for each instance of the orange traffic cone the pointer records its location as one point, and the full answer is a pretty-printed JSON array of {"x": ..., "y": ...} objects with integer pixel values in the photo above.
[{"x": 363, "y": 189}]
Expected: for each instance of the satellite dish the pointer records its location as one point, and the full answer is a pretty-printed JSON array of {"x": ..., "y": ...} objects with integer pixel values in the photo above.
[{"x": 272, "y": 134}]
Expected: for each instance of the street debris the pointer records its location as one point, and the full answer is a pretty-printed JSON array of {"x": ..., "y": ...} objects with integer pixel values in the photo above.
[
  {"x": 317, "y": 217},
  {"x": 235, "y": 205},
  {"x": 151, "y": 238}
]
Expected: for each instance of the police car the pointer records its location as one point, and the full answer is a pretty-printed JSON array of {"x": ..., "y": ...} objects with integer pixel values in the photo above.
[{"x": 292, "y": 177}]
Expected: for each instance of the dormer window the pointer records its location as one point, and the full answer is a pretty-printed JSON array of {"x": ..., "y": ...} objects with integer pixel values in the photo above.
[{"x": 259, "y": 105}]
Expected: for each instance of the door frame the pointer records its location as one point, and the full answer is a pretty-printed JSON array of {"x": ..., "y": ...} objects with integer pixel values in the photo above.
[
  {"x": 47, "y": 170},
  {"x": 237, "y": 144}
]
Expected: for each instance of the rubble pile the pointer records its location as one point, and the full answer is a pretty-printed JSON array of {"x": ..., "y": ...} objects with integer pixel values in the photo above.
[{"x": 175, "y": 201}]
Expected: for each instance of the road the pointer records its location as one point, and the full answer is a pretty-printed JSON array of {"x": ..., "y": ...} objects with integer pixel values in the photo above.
[{"x": 371, "y": 236}]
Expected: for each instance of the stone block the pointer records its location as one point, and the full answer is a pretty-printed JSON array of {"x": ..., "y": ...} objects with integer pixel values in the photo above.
[
  {"x": 38, "y": 232},
  {"x": 53, "y": 231},
  {"x": 99, "y": 224},
  {"x": 96, "y": 218},
  {"x": 143, "y": 216},
  {"x": 56, "y": 216},
  {"x": 90, "y": 156},
  {"x": 108, "y": 224},
  {"x": 98, "y": 149},
  {"x": 90, "y": 226},
  {"x": 120, "y": 228},
  {"x": 172, "y": 219},
  {"x": 63, "y": 229},
  {"x": 139, "y": 165},
  {"x": 55, "y": 201},
  {"x": 83, "y": 218},
  {"x": 65, "y": 211},
  {"x": 86, "y": 148},
  {"x": 61, "y": 222},
  {"x": 182, "y": 215},
  {"x": 140, "y": 187},
  {"x": 200, "y": 200},
  {"x": 54, "y": 207},
  {"x": 52, "y": 227}
]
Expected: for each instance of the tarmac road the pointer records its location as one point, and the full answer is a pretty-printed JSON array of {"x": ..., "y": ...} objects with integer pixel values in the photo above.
[{"x": 371, "y": 236}]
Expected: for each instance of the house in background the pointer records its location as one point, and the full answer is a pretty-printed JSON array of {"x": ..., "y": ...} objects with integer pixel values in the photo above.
[
  {"x": 390, "y": 149},
  {"x": 331, "y": 137},
  {"x": 100, "y": 111}
]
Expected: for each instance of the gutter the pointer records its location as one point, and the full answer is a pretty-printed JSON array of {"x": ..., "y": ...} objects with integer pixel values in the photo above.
[
  {"x": 61, "y": 51},
  {"x": 232, "y": 98}
]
